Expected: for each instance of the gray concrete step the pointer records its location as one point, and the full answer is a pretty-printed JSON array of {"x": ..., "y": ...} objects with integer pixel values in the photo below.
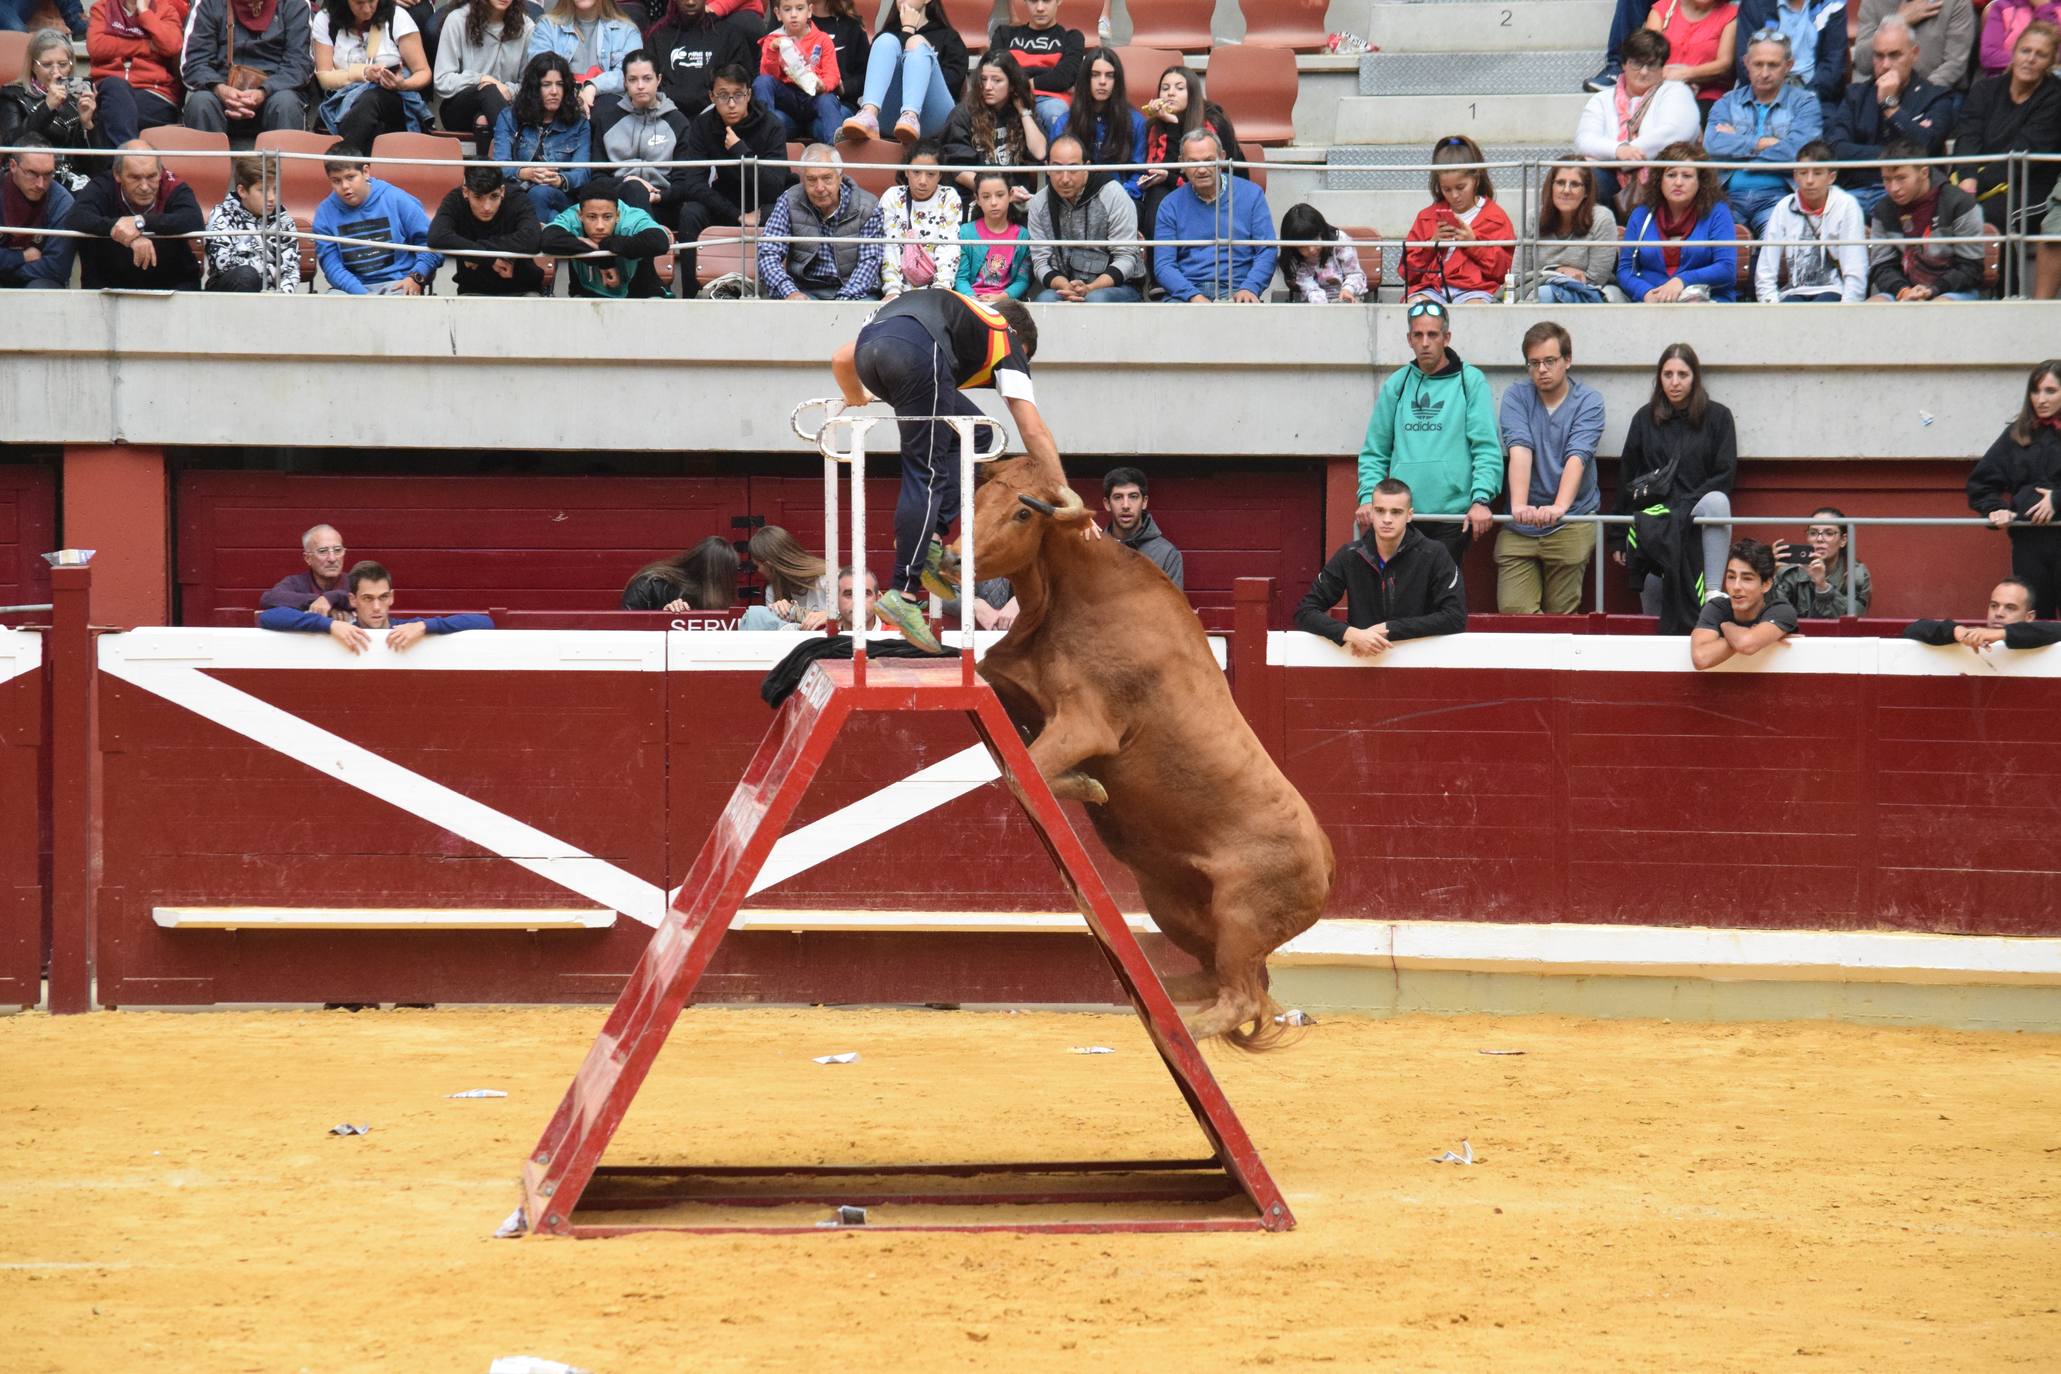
[
  {"x": 1424, "y": 119},
  {"x": 1379, "y": 167},
  {"x": 1418, "y": 26},
  {"x": 1484, "y": 73}
]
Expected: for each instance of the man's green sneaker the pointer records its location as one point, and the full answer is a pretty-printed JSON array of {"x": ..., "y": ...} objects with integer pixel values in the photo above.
[
  {"x": 941, "y": 571},
  {"x": 905, "y": 615}
]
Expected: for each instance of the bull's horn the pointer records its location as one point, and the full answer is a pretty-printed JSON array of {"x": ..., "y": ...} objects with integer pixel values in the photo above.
[
  {"x": 1034, "y": 503},
  {"x": 1069, "y": 508}
]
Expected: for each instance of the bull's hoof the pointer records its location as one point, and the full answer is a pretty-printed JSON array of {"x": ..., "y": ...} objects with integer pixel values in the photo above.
[{"x": 1081, "y": 788}]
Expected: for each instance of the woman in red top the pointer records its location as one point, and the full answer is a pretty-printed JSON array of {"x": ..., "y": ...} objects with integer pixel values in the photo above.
[
  {"x": 1700, "y": 38},
  {"x": 134, "y": 46},
  {"x": 1463, "y": 211}
]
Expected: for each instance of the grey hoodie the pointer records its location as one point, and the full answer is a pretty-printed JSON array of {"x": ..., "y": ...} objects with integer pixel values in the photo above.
[
  {"x": 1147, "y": 539},
  {"x": 629, "y": 136}
]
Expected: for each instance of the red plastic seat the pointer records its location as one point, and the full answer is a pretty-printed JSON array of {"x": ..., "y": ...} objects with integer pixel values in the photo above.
[
  {"x": 717, "y": 258},
  {"x": 14, "y": 56},
  {"x": 1366, "y": 243},
  {"x": 1142, "y": 66},
  {"x": 208, "y": 176},
  {"x": 1256, "y": 175},
  {"x": 428, "y": 184},
  {"x": 872, "y": 164},
  {"x": 1256, "y": 87},
  {"x": 1182, "y": 24},
  {"x": 973, "y": 19},
  {"x": 1293, "y": 24}
]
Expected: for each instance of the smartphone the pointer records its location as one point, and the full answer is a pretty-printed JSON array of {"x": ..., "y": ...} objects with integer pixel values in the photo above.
[{"x": 1799, "y": 554}]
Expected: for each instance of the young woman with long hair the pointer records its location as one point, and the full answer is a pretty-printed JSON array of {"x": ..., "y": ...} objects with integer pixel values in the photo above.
[
  {"x": 1681, "y": 452},
  {"x": 799, "y": 588},
  {"x": 704, "y": 578},
  {"x": 541, "y": 127},
  {"x": 915, "y": 69},
  {"x": 1580, "y": 265},
  {"x": 1100, "y": 115},
  {"x": 2015, "y": 482},
  {"x": 479, "y": 64},
  {"x": 996, "y": 125}
]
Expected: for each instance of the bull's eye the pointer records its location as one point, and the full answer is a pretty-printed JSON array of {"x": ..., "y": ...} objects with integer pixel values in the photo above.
[{"x": 1022, "y": 515}]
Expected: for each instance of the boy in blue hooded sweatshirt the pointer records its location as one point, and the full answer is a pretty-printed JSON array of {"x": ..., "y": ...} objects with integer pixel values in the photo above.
[
  {"x": 361, "y": 206},
  {"x": 1434, "y": 427}
]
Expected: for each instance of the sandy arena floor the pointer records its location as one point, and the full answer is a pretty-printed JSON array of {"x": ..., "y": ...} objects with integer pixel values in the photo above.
[{"x": 1649, "y": 1196}]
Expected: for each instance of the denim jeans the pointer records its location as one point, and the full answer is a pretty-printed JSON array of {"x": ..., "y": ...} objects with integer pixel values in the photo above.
[
  {"x": 1099, "y": 296},
  {"x": 1752, "y": 208},
  {"x": 1049, "y": 109},
  {"x": 898, "y": 80},
  {"x": 547, "y": 201},
  {"x": 1567, "y": 292},
  {"x": 817, "y": 115}
]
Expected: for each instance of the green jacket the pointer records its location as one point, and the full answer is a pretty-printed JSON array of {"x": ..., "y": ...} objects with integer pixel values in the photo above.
[{"x": 1437, "y": 433}]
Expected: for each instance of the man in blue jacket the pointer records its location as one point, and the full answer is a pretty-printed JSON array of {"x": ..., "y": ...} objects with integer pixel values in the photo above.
[
  {"x": 361, "y": 206},
  {"x": 34, "y": 199},
  {"x": 1214, "y": 206},
  {"x": 372, "y": 604},
  {"x": 1765, "y": 119},
  {"x": 1817, "y": 41}
]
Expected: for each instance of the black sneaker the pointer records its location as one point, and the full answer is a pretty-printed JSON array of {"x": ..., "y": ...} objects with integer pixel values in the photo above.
[{"x": 1605, "y": 79}]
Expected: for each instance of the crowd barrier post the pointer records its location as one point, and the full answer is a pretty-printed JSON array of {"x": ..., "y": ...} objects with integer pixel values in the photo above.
[
  {"x": 1252, "y": 681},
  {"x": 1853, "y": 558},
  {"x": 74, "y": 865}
]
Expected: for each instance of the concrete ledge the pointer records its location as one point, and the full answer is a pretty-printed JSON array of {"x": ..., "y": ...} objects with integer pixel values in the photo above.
[
  {"x": 1487, "y": 118},
  {"x": 1505, "y": 26}
]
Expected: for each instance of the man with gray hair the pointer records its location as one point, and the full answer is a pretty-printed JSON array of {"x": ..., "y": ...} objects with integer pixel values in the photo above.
[
  {"x": 1229, "y": 253},
  {"x": 1895, "y": 105},
  {"x": 1944, "y": 31},
  {"x": 321, "y": 587},
  {"x": 1093, "y": 209},
  {"x": 798, "y": 257},
  {"x": 1765, "y": 119},
  {"x": 135, "y": 209}
]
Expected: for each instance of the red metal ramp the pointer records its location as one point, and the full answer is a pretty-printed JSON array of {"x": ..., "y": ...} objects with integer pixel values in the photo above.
[{"x": 564, "y": 1173}]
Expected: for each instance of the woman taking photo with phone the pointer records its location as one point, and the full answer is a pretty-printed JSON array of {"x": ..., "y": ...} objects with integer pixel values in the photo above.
[{"x": 1811, "y": 575}]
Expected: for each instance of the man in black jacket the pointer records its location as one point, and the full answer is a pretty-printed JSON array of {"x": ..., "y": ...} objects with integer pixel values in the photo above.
[
  {"x": 1397, "y": 583},
  {"x": 690, "y": 47},
  {"x": 1896, "y": 105},
  {"x": 2010, "y": 622},
  {"x": 735, "y": 127},
  {"x": 134, "y": 210},
  {"x": 482, "y": 217}
]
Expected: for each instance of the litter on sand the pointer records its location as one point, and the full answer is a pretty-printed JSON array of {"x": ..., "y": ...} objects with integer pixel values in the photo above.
[
  {"x": 478, "y": 1092},
  {"x": 846, "y": 1216},
  {"x": 346, "y": 1128},
  {"x": 531, "y": 1364},
  {"x": 848, "y": 1057},
  {"x": 1465, "y": 1156},
  {"x": 1499, "y": 1051},
  {"x": 1295, "y": 1016},
  {"x": 516, "y": 1224},
  {"x": 1091, "y": 1049}
]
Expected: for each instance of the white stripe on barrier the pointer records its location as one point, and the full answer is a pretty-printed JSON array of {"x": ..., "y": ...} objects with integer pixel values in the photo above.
[
  {"x": 871, "y": 817},
  {"x": 21, "y": 651},
  {"x": 1655, "y": 654},
  {"x": 380, "y": 918},
  {"x": 736, "y": 651},
  {"x": 557, "y": 651}
]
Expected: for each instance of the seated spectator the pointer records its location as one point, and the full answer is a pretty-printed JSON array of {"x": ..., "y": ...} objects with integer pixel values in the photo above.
[
  {"x": 373, "y": 90},
  {"x": 1049, "y": 53},
  {"x": 795, "y": 263},
  {"x": 15, "y": 15},
  {"x": 1680, "y": 455},
  {"x": 1570, "y": 252},
  {"x": 33, "y": 198},
  {"x": 602, "y": 222},
  {"x": 1635, "y": 116},
  {"x": 139, "y": 211},
  {"x": 637, "y": 129},
  {"x": 322, "y": 587},
  {"x": 1126, "y": 494},
  {"x": 544, "y": 126},
  {"x": 734, "y": 127},
  {"x": 361, "y": 206},
  {"x": 1945, "y": 35},
  {"x": 1811, "y": 576},
  {"x": 1746, "y": 619},
  {"x": 1235, "y": 260},
  {"x": 1397, "y": 584},
  {"x": 916, "y": 68},
  {"x": 2014, "y": 484},
  {"x": 995, "y": 124},
  {"x": 1551, "y": 425},
  {"x": 230, "y": 41},
  {"x": 994, "y": 606},
  {"x": 2016, "y": 111},
  {"x": 704, "y": 578},
  {"x": 1702, "y": 38},
  {"x": 1805, "y": 258},
  {"x": 992, "y": 260},
  {"x": 2010, "y": 623},
  {"x": 1178, "y": 109},
  {"x": 1311, "y": 271},
  {"x": 46, "y": 102},
  {"x": 482, "y": 216},
  {"x": 692, "y": 45},
  {"x": 1816, "y": 30},
  {"x": 844, "y": 600},
  {"x": 1443, "y": 263},
  {"x": 1680, "y": 244},
  {"x": 1895, "y": 107},
  {"x": 798, "y": 584},
  {"x": 1434, "y": 423},
  {"x": 797, "y": 77},
  {"x": 840, "y": 19},
  {"x": 371, "y": 602},
  {"x": 1100, "y": 116},
  {"x": 134, "y": 46},
  {"x": 1764, "y": 120},
  {"x": 1923, "y": 206},
  {"x": 479, "y": 63},
  {"x": 919, "y": 220},
  {"x": 2002, "y": 22},
  {"x": 253, "y": 243},
  {"x": 593, "y": 36}
]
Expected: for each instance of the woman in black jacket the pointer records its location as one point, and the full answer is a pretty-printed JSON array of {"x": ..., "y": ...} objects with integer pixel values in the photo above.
[
  {"x": 996, "y": 125},
  {"x": 49, "y": 101},
  {"x": 916, "y": 69},
  {"x": 2016, "y": 111},
  {"x": 1682, "y": 453},
  {"x": 2014, "y": 486}
]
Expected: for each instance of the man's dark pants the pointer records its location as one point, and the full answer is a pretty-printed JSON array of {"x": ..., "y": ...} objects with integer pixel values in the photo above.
[{"x": 899, "y": 362}]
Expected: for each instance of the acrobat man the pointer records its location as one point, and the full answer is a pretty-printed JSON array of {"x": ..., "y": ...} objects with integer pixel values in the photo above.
[{"x": 918, "y": 353}]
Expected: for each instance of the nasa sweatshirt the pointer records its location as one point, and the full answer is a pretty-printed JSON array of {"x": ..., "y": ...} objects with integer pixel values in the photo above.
[
  {"x": 1050, "y": 57},
  {"x": 1437, "y": 432}
]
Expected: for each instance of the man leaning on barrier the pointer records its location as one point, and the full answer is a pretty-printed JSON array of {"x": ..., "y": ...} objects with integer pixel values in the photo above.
[
  {"x": 321, "y": 588},
  {"x": 34, "y": 199},
  {"x": 1551, "y": 425},
  {"x": 135, "y": 210},
  {"x": 1397, "y": 584},
  {"x": 372, "y": 601},
  {"x": 2010, "y": 623},
  {"x": 482, "y": 216}
]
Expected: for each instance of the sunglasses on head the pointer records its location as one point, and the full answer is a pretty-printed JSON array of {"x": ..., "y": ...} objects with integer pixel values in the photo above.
[{"x": 1426, "y": 308}]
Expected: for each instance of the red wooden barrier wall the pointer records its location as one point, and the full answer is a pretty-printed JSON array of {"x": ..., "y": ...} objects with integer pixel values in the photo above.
[
  {"x": 28, "y": 530},
  {"x": 23, "y": 848}
]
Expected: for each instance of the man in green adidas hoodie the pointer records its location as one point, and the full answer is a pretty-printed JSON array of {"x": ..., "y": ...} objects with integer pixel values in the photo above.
[{"x": 1434, "y": 427}]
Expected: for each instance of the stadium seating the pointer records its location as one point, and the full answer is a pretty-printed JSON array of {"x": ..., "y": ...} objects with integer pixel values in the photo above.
[
  {"x": 14, "y": 56},
  {"x": 872, "y": 164},
  {"x": 428, "y": 184},
  {"x": 1368, "y": 245},
  {"x": 1182, "y": 24},
  {"x": 971, "y": 20},
  {"x": 1294, "y": 24},
  {"x": 1142, "y": 66},
  {"x": 303, "y": 184},
  {"x": 1073, "y": 14},
  {"x": 208, "y": 176},
  {"x": 1256, "y": 87}
]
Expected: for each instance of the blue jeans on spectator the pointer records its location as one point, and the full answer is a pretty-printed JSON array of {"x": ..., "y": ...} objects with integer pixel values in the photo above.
[
  {"x": 1101, "y": 295},
  {"x": 547, "y": 201},
  {"x": 1752, "y": 208},
  {"x": 126, "y": 112},
  {"x": 898, "y": 80},
  {"x": 1569, "y": 292},
  {"x": 14, "y": 15},
  {"x": 1868, "y": 196},
  {"x": 798, "y": 110},
  {"x": 1049, "y": 109}
]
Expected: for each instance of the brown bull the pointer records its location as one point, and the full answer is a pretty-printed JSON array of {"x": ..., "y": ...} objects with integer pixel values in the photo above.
[{"x": 1108, "y": 669}]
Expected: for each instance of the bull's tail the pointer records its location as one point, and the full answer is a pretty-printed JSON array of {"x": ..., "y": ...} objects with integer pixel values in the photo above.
[{"x": 1265, "y": 1031}]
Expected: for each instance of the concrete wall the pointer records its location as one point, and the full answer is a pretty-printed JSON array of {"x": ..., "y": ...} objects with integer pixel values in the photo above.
[{"x": 82, "y": 368}]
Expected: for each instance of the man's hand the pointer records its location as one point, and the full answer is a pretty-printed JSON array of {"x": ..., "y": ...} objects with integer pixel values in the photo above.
[
  {"x": 143, "y": 252},
  {"x": 503, "y": 268},
  {"x": 2043, "y": 509},
  {"x": 31, "y": 255},
  {"x": 611, "y": 278},
  {"x": 349, "y": 635},
  {"x": 1198, "y": 299},
  {"x": 1063, "y": 288},
  {"x": 1978, "y": 638},
  {"x": 1915, "y": 293},
  {"x": 1244, "y": 297},
  {"x": 1764, "y": 144},
  {"x": 1918, "y": 11},
  {"x": 125, "y": 231},
  {"x": 1888, "y": 86},
  {"x": 410, "y": 286},
  {"x": 730, "y": 138},
  {"x": 1363, "y": 517},
  {"x": 1368, "y": 642},
  {"x": 1479, "y": 520},
  {"x": 1617, "y": 557},
  {"x": 795, "y": 296},
  {"x": 2001, "y": 518},
  {"x": 815, "y": 620},
  {"x": 401, "y": 636}
]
